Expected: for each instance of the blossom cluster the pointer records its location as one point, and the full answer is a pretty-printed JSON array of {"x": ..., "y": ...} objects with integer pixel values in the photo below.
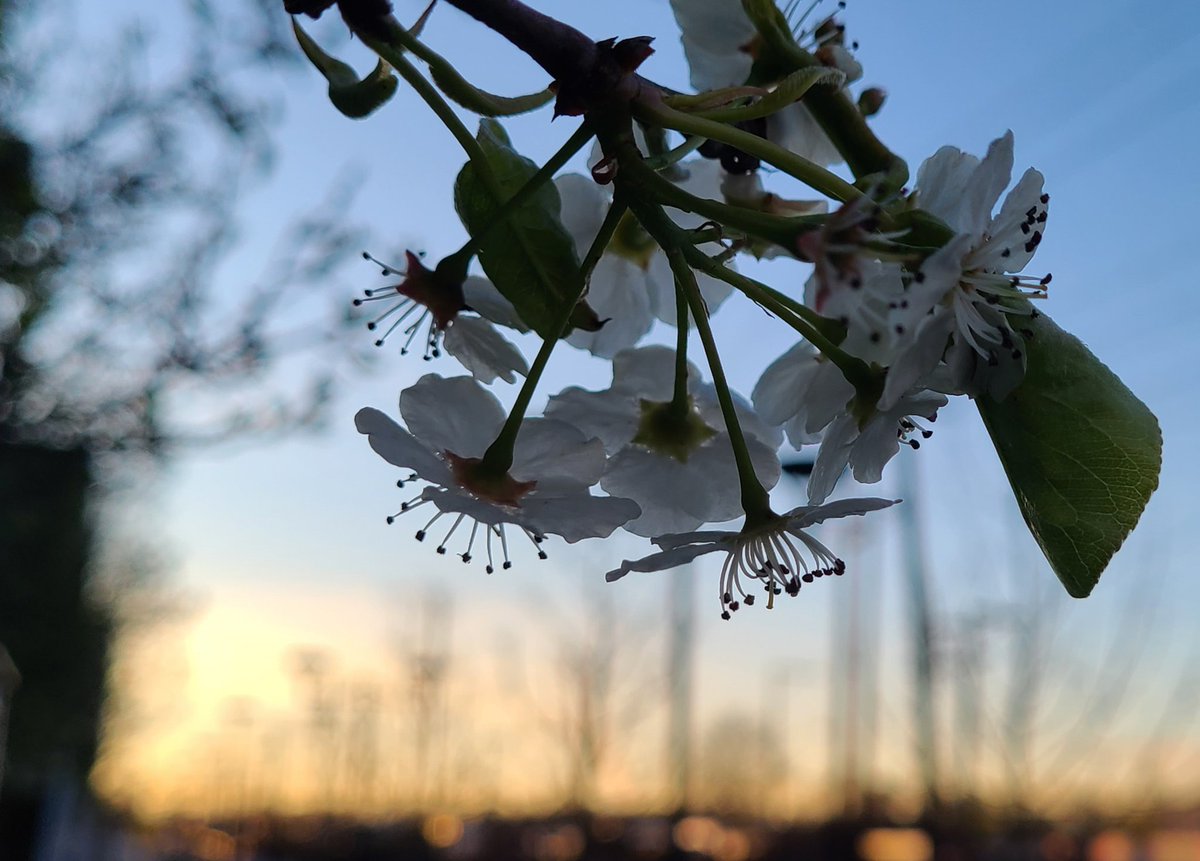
[{"x": 910, "y": 296}]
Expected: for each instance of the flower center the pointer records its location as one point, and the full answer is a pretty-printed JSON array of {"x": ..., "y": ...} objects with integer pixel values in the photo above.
[
  {"x": 667, "y": 430},
  {"x": 778, "y": 558},
  {"x": 485, "y": 484},
  {"x": 632, "y": 242},
  {"x": 433, "y": 300}
]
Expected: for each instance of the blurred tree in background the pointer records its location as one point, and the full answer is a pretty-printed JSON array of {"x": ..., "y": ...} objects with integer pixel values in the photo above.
[{"x": 118, "y": 187}]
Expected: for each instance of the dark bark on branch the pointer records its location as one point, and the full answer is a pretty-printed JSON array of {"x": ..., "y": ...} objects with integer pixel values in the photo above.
[{"x": 564, "y": 52}]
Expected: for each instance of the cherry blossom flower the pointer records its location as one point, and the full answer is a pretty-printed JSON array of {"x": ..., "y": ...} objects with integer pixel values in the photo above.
[
  {"x": 682, "y": 475},
  {"x": 779, "y": 554},
  {"x": 450, "y": 424},
  {"x": 803, "y": 392},
  {"x": 866, "y": 445},
  {"x": 433, "y": 307},
  {"x": 720, "y": 44},
  {"x": 632, "y": 283},
  {"x": 967, "y": 294}
]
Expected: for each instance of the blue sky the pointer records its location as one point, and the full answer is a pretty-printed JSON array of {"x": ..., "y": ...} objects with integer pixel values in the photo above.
[{"x": 1103, "y": 101}]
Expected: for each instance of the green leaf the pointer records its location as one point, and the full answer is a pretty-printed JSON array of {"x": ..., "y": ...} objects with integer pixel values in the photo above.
[
  {"x": 354, "y": 98},
  {"x": 530, "y": 257},
  {"x": 1081, "y": 451}
]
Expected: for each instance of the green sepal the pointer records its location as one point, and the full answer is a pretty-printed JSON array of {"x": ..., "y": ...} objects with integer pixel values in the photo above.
[
  {"x": 355, "y": 98},
  {"x": 1081, "y": 452},
  {"x": 530, "y": 257}
]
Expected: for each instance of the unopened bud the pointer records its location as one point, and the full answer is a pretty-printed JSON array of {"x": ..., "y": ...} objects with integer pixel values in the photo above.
[{"x": 870, "y": 101}]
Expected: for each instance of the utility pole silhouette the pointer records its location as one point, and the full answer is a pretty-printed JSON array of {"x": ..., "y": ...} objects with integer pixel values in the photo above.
[
  {"x": 920, "y": 633},
  {"x": 428, "y": 663},
  {"x": 680, "y": 667},
  {"x": 362, "y": 745},
  {"x": 311, "y": 667}
]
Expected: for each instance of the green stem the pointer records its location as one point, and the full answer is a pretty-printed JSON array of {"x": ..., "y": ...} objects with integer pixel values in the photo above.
[
  {"x": 810, "y": 173},
  {"x": 778, "y": 229},
  {"x": 499, "y": 455},
  {"x": 441, "y": 108},
  {"x": 756, "y": 501},
  {"x": 807, "y": 322},
  {"x": 681, "y": 403},
  {"x": 671, "y": 156},
  {"x": 608, "y": 227}
]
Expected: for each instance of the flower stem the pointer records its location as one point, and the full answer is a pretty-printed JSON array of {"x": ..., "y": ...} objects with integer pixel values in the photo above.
[
  {"x": 608, "y": 227},
  {"x": 778, "y": 229},
  {"x": 441, "y": 108},
  {"x": 810, "y": 173},
  {"x": 499, "y": 455},
  {"x": 680, "y": 402},
  {"x": 811, "y": 325},
  {"x": 755, "y": 499}
]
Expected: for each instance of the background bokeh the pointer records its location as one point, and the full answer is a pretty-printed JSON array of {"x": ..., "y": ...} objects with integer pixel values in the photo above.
[{"x": 288, "y": 652}]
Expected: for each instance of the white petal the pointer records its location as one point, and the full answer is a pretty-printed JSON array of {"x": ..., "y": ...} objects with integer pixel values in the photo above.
[
  {"x": 779, "y": 393},
  {"x": 875, "y": 446},
  {"x": 918, "y": 359},
  {"x": 809, "y": 515},
  {"x": 398, "y": 447},
  {"x": 832, "y": 457},
  {"x": 452, "y": 414},
  {"x": 610, "y": 416},
  {"x": 962, "y": 190},
  {"x": 673, "y": 496},
  {"x": 482, "y": 297},
  {"x": 794, "y": 128},
  {"x": 941, "y": 179},
  {"x": 1005, "y": 229},
  {"x": 619, "y": 296},
  {"x": 483, "y": 351},
  {"x": 548, "y": 451},
  {"x": 752, "y": 425},
  {"x": 991, "y": 178},
  {"x": 575, "y": 516},
  {"x": 648, "y": 372},
  {"x": 663, "y": 560},
  {"x": 827, "y": 397},
  {"x": 584, "y": 204}
]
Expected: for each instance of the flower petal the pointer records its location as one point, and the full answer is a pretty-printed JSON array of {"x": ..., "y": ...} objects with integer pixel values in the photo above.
[
  {"x": 673, "y": 496},
  {"x": 832, "y": 457},
  {"x": 576, "y": 516},
  {"x": 482, "y": 297},
  {"x": 551, "y": 452},
  {"x": 609, "y": 415},
  {"x": 399, "y": 448},
  {"x": 809, "y": 515},
  {"x": 452, "y": 414},
  {"x": 619, "y": 297},
  {"x": 663, "y": 560},
  {"x": 1005, "y": 233},
  {"x": 483, "y": 351}
]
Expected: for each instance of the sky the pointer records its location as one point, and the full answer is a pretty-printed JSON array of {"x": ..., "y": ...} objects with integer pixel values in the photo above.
[{"x": 284, "y": 544}]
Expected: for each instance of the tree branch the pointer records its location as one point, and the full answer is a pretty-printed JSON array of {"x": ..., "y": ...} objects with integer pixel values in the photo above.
[{"x": 565, "y": 53}]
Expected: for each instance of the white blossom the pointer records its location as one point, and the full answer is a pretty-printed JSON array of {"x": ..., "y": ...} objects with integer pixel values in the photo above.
[
  {"x": 427, "y": 305},
  {"x": 966, "y": 294},
  {"x": 681, "y": 476},
  {"x": 720, "y": 44},
  {"x": 450, "y": 424},
  {"x": 866, "y": 445},
  {"x": 632, "y": 283},
  {"x": 779, "y": 554}
]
